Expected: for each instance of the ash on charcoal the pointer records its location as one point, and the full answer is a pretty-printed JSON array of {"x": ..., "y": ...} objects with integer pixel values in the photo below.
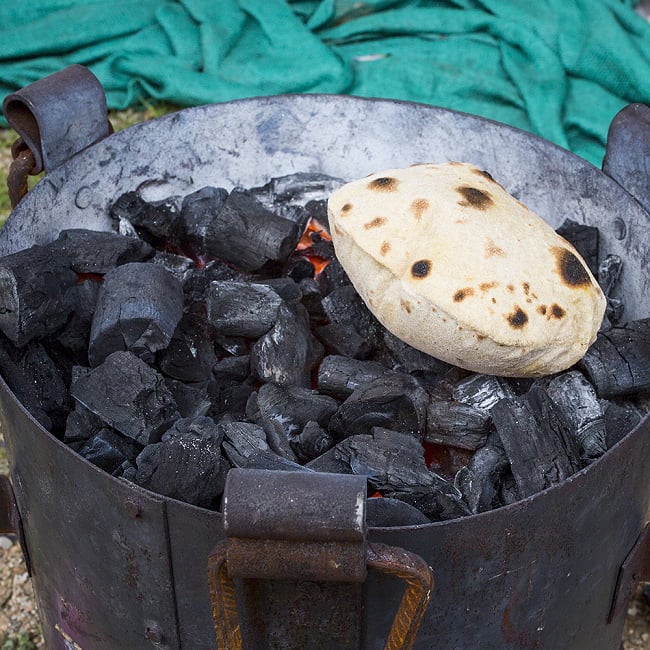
[
  {"x": 129, "y": 396},
  {"x": 91, "y": 251},
  {"x": 456, "y": 424},
  {"x": 179, "y": 266},
  {"x": 343, "y": 339},
  {"x": 584, "y": 239},
  {"x": 394, "y": 401},
  {"x": 480, "y": 480},
  {"x": 76, "y": 333},
  {"x": 618, "y": 363},
  {"x": 579, "y": 407},
  {"x": 540, "y": 447},
  {"x": 186, "y": 464},
  {"x": 154, "y": 221},
  {"x": 299, "y": 188},
  {"x": 36, "y": 293},
  {"x": 620, "y": 419},
  {"x": 481, "y": 391},
  {"x": 138, "y": 309},
  {"x": 311, "y": 442},
  {"x": 288, "y": 352},
  {"x": 242, "y": 309},
  {"x": 192, "y": 400},
  {"x": 189, "y": 356},
  {"x": 609, "y": 272},
  {"x": 385, "y": 513},
  {"x": 340, "y": 376},
  {"x": 108, "y": 450},
  {"x": 242, "y": 231}
]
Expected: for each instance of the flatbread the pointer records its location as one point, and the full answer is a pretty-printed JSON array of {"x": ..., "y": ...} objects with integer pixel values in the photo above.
[{"x": 451, "y": 263}]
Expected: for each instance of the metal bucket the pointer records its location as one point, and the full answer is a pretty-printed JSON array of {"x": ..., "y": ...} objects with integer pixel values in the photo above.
[{"x": 115, "y": 566}]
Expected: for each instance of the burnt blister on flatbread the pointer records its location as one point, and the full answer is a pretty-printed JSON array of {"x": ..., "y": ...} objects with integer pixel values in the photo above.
[
  {"x": 474, "y": 198},
  {"x": 384, "y": 184},
  {"x": 569, "y": 268},
  {"x": 421, "y": 268},
  {"x": 518, "y": 318}
]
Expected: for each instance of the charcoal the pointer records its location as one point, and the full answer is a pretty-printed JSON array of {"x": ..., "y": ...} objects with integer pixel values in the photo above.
[
  {"x": 317, "y": 210},
  {"x": 580, "y": 409},
  {"x": 481, "y": 391},
  {"x": 179, "y": 266},
  {"x": 36, "y": 293},
  {"x": 300, "y": 187},
  {"x": 44, "y": 376},
  {"x": 299, "y": 268},
  {"x": 138, "y": 309},
  {"x": 198, "y": 280},
  {"x": 81, "y": 425},
  {"x": 108, "y": 450},
  {"x": 455, "y": 424},
  {"x": 229, "y": 396},
  {"x": 332, "y": 277},
  {"x": 439, "y": 502},
  {"x": 385, "y": 513},
  {"x": 479, "y": 481},
  {"x": 609, "y": 272},
  {"x": 237, "y": 346},
  {"x": 154, "y": 221},
  {"x": 445, "y": 460},
  {"x": 541, "y": 449},
  {"x": 286, "y": 354},
  {"x": 129, "y": 396},
  {"x": 286, "y": 288},
  {"x": 267, "y": 459},
  {"x": 340, "y": 376},
  {"x": 509, "y": 490},
  {"x": 321, "y": 247},
  {"x": 312, "y": 299},
  {"x": 618, "y": 363},
  {"x": 76, "y": 333},
  {"x": 312, "y": 442},
  {"x": 232, "y": 368},
  {"x": 584, "y": 239},
  {"x": 197, "y": 213},
  {"x": 405, "y": 358},
  {"x": 394, "y": 401},
  {"x": 344, "y": 305},
  {"x": 292, "y": 407},
  {"x": 240, "y": 440},
  {"x": 190, "y": 355},
  {"x": 90, "y": 251},
  {"x": 191, "y": 400},
  {"x": 22, "y": 388},
  {"x": 186, "y": 464},
  {"x": 242, "y": 309},
  {"x": 620, "y": 419},
  {"x": 242, "y": 231},
  {"x": 343, "y": 339}
]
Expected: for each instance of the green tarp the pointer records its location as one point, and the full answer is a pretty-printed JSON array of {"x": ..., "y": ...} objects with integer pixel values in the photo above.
[{"x": 558, "y": 68}]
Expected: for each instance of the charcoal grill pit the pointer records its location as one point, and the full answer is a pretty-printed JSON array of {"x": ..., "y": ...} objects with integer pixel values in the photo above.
[{"x": 500, "y": 581}]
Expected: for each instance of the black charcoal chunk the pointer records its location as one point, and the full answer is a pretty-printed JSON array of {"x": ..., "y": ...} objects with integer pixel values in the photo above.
[
  {"x": 36, "y": 293},
  {"x": 286, "y": 354},
  {"x": 108, "y": 450},
  {"x": 312, "y": 442},
  {"x": 620, "y": 419},
  {"x": 138, "y": 309},
  {"x": 340, "y": 376},
  {"x": 179, "y": 266},
  {"x": 267, "y": 459},
  {"x": 394, "y": 401},
  {"x": 456, "y": 424},
  {"x": 241, "y": 440},
  {"x": 129, "y": 396},
  {"x": 584, "y": 239},
  {"x": 609, "y": 272},
  {"x": 189, "y": 356},
  {"x": 242, "y": 309},
  {"x": 618, "y": 363},
  {"x": 229, "y": 396},
  {"x": 76, "y": 332},
  {"x": 480, "y": 480},
  {"x": 81, "y": 425},
  {"x": 91, "y": 251},
  {"x": 386, "y": 513},
  {"x": 192, "y": 400},
  {"x": 332, "y": 277},
  {"x": 242, "y": 231},
  {"x": 197, "y": 213},
  {"x": 187, "y": 464},
  {"x": 406, "y": 358},
  {"x": 541, "y": 449},
  {"x": 343, "y": 339},
  {"x": 300, "y": 188},
  {"x": 155, "y": 221},
  {"x": 312, "y": 299},
  {"x": 299, "y": 268},
  {"x": 578, "y": 405},
  {"x": 481, "y": 391},
  {"x": 509, "y": 490},
  {"x": 286, "y": 288}
]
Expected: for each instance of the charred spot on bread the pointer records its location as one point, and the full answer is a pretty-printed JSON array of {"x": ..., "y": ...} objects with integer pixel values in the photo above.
[
  {"x": 346, "y": 208},
  {"x": 384, "y": 248},
  {"x": 461, "y": 294},
  {"x": 569, "y": 268},
  {"x": 541, "y": 309},
  {"x": 474, "y": 198},
  {"x": 421, "y": 268},
  {"x": 419, "y": 207},
  {"x": 484, "y": 173},
  {"x": 375, "y": 223},
  {"x": 518, "y": 318},
  {"x": 557, "y": 311},
  {"x": 384, "y": 184}
]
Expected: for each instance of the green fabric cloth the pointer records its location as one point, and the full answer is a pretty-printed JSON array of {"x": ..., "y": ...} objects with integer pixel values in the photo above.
[{"x": 558, "y": 68}]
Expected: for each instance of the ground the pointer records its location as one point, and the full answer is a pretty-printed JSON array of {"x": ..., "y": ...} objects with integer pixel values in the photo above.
[{"x": 19, "y": 628}]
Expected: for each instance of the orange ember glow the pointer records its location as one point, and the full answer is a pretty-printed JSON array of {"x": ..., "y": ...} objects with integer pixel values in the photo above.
[{"x": 306, "y": 243}]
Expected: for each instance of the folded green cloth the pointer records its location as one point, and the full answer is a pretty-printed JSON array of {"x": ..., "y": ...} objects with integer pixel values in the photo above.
[{"x": 558, "y": 68}]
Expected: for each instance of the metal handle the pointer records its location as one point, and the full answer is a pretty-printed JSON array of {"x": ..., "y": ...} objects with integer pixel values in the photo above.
[
  {"x": 390, "y": 560},
  {"x": 56, "y": 117}
]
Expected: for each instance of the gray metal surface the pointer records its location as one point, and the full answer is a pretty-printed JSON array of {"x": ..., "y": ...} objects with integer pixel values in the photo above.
[{"x": 538, "y": 574}]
